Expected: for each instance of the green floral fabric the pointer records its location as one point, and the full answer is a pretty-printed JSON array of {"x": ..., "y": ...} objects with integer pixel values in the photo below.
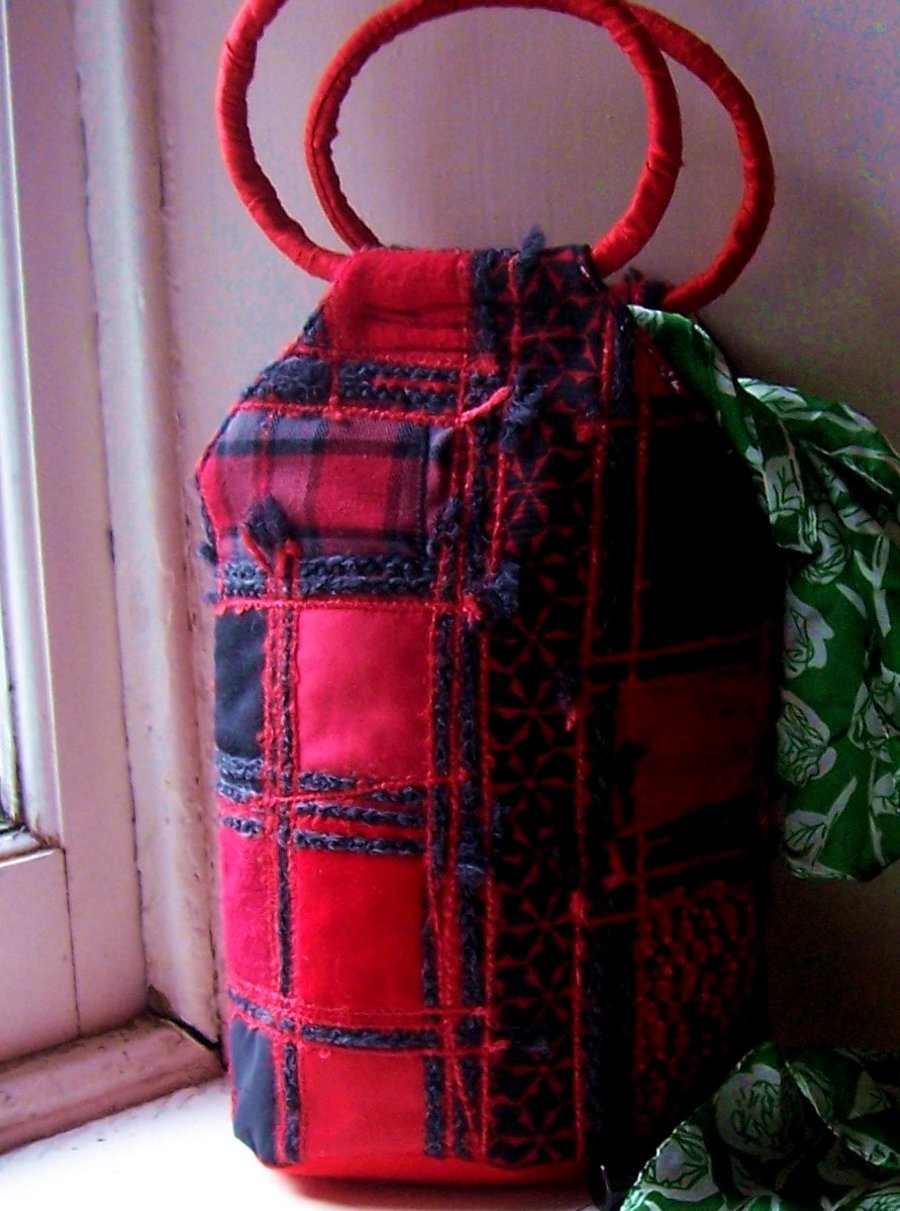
[
  {"x": 809, "y": 1129},
  {"x": 830, "y": 485},
  {"x": 812, "y": 1129}
]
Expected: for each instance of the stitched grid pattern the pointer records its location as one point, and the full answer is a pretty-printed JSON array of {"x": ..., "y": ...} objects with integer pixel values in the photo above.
[{"x": 527, "y": 513}]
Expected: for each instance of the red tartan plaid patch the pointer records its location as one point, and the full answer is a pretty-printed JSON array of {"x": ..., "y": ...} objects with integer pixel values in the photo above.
[{"x": 344, "y": 486}]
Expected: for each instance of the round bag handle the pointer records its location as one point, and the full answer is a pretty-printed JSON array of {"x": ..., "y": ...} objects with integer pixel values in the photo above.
[
  {"x": 679, "y": 43},
  {"x": 648, "y": 204}
]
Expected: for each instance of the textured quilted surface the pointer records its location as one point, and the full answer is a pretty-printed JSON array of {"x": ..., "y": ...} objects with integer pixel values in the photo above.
[{"x": 495, "y": 692}]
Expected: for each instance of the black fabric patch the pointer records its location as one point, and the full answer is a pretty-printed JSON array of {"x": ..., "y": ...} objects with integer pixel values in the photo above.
[
  {"x": 435, "y": 1077},
  {"x": 291, "y": 1105},
  {"x": 710, "y": 553},
  {"x": 253, "y": 1078},
  {"x": 240, "y": 638}
]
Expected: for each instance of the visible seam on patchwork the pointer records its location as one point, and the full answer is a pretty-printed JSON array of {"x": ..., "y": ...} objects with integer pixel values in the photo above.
[
  {"x": 336, "y": 843},
  {"x": 361, "y": 815}
]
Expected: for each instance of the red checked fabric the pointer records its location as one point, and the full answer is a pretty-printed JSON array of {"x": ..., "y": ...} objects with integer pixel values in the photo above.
[{"x": 495, "y": 691}]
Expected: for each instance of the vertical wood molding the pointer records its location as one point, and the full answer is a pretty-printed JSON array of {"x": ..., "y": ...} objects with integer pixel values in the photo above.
[
  {"x": 117, "y": 69},
  {"x": 59, "y": 593}
]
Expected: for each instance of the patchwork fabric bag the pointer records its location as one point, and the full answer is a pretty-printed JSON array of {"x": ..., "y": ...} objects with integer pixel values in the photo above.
[{"x": 498, "y": 640}]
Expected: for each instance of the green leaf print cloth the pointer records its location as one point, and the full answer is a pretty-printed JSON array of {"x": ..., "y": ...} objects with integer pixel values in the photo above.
[
  {"x": 811, "y": 1129},
  {"x": 815, "y": 1128}
]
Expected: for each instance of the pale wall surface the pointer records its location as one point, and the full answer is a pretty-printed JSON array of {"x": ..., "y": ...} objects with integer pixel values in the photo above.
[{"x": 471, "y": 130}]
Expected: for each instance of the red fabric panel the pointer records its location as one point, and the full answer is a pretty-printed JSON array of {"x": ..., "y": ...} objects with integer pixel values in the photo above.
[
  {"x": 363, "y": 692},
  {"x": 249, "y": 874},
  {"x": 699, "y": 737},
  {"x": 360, "y": 1106},
  {"x": 357, "y": 924},
  {"x": 408, "y": 304}
]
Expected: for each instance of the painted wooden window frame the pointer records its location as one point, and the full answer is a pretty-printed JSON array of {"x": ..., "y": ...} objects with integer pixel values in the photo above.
[{"x": 97, "y": 610}]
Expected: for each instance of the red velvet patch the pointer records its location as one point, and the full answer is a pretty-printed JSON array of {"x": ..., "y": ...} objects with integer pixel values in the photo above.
[
  {"x": 249, "y": 872},
  {"x": 401, "y": 302},
  {"x": 362, "y": 1104},
  {"x": 357, "y": 921},
  {"x": 363, "y": 692},
  {"x": 699, "y": 738}
]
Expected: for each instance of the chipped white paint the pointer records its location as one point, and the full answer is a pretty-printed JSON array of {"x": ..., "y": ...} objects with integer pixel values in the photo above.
[
  {"x": 52, "y": 1092},
  {"x": 58, "y": 592},
  {"x": 118, "y": 101},
  {"x": 37, "y": 999}
]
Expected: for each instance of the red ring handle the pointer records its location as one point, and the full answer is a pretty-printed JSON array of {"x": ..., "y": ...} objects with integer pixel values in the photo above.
[
  {"x": 645, "y": 211},
  {"x": 680, "y": 44},
  {"x": 758, "y": 198},
  {"x": 236, "y": 68}
]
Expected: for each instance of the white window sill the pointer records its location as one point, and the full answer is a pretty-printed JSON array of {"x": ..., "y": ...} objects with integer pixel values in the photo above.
[{"x": 178, "y": 1151}]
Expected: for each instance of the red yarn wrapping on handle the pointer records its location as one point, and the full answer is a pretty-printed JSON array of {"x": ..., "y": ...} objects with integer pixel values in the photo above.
[
  {"x": 680, "y": 44},
  {"x": 256, "y": 191},
  {"x": 648, "y": 205},
  {"x": 758, "y": 199}
]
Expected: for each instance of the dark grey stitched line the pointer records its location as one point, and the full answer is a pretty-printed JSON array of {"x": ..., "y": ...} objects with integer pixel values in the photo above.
[
  {"x": 316, "y": 780},
  {"x": 364, "y": 371},
  {"x": 368, "y": 574},
  {"x": 471, "y": 871},
  {"x": 241, "y": 769},
  {"x": 249, "y": 828},
  {"x": 365, "y": 815},
  {"x": 483, "y": 432},
  {"x": 302, "y": 380},
  {"x": 408, "y": 397},
  {"x": 410, "y": 796},
  {"x": 256, "y": 1011},
  {"x": 235, "y": 793},
  {"x": 311, "y": 443},
  {"x": 362, "y": 565},
  {"x": 291, "y": 1104},
  {"x": 443, "y": 688},
  {"x": 481, "y": 386},
  {"x": 483, "y": 263},
  {"x": 415, "y": 582},
  {"x": 284, "y": 909},
  {"x": 374, "y": 1040},
  {"x": 468, "y": 703},
  {"x": 363, "y": 845},
  {"x": 434, "y": 1106},
  {"x": 440, "y": 816},
  {"x": 470, "y": 1032},
  {"x": 243, "y": 579},
  {"x": 286, "y": 772}
]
